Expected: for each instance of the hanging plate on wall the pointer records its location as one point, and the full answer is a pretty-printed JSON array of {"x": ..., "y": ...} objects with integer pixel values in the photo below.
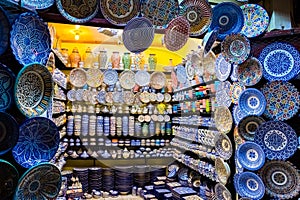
[
  {"x": 223, "y": 68},
  {"x": 4, "y": 31},
  {"x": 94, "y": 77},
  {"x": 78, "y": 77},
  {"x": 208, "y": 40},
  {"x": 223, "y": 119},
  {"x": 142, "y": 78},
  {"x": 250, "y": 72},
  {"x": 9, "y": 177},
  {"x": 78, "y": 11},
  {"x": 119, "y": 12},
  {"x": 252, "y": 101},
  {"x": 127, "y": 79},
  {"x": 248, "y": 126},
  {"x": 37, "y": 4},
  {"x": 158, "y": 80},
  {"x": 7, "y": 80}
]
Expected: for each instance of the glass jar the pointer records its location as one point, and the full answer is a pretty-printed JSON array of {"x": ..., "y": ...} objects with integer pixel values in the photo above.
[
  {"x": 115, "y": 59},
  {"x": 75, "y": 57},
  {"x": 152, "y": 61},
  {"x": 126, "y": 60},
  {"x": 88, "y": 58},
  {"x": 102, "y": 59}
]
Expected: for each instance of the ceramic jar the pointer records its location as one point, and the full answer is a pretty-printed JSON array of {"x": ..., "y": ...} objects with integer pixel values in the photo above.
[
  {"x": 115, "y": 59},
  {"x": 75, "y": 57},
  {"x": 102, "y": 59},
  {"x": 126, "y": 60},
  {"x": 88, "y": 58},
  {"x": 152, "y": 61}
]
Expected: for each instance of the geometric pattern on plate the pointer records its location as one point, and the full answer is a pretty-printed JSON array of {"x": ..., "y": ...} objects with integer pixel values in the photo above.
[
  {"x": 223, "y": 119},
  {"x": 252, "y": 101},
  {"x": 250, "y": 72}
]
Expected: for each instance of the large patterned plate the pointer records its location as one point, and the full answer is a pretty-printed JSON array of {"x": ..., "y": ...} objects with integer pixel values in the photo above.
[
  {"x": 281, "y": 179},
  {"x": 142, "y": 78},
  {"x": 78, "y": 77},
  {"x": 30, "y": 39},
  {"x": 208, "y": 40},
  {"x": 119, "y": 12},
  {"x": 235, "y": 90},
  {"x": 9, "y": 132},
  {"x": 237, "y": 114},
  {"x": 250, "y": 72},
  {"x": 252, "y": 102},
  {"x": 235, "y": 48},
  {"x": 282, "y": 100},
  {"x": 222, "y": 192},
  {"x": 256, "y": 20},
  {"x": 7, "y": 81},
  {"x": 110, "y": 77},
  {"x": 38, "y": 142},
  {"x": 37, "y": 4},
  {"x": 181, "y": 74},
  {"x": 160, "y": 13},
  {"x": 198, "y": 13},
  {"x": 277, "y": 139},
  {"x": 177, "y": 33},
  {"x": 223, "y": 146},
  {"x": 222, "y": 170},
  {"x": 9, "y": 177},
  {"x": 228, "y": 17},
  {"x": 33, "y": 90},
  {"x": 94, "y": 77},
  {"x": 42, "y": 181},
  {"x": 138, "y": 34},
  {"x": 248, "y": 126},
  {"x": 158, "y": 80},
  {"x": 223, "y": 119},
  {"x": 280, "y": 60},
  {"x": 127, "y": 79},
  {"x": 4, "y": 31},
  {"x": 223, "y": 98},
  {"x": 223, "y": 68},
  {"x": 78, "y": 11}
]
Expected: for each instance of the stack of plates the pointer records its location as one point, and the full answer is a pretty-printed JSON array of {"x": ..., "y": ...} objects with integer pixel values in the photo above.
[
  {"x": 95, "y": 177},
  {"x": 157, "y": 170},
  {"x": 141, "y": 175},
  {"x": 124, "y": 179},
  {"x": 108, "y": 178},
  {"x": 180, "y": 192},
  {"x": 82, "y": 174}
]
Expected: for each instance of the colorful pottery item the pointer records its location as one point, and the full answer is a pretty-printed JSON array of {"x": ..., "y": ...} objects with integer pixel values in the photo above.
[
  {"x": 160, "y": 13},
  {"x": 250, "y": 72},
  {"x": 208, "y": 62},
  {"x": 282, "y": 100},
  {"x": 278, "y": 140},
  {"x": 280, "y": 60},
  {"x": 30, "y": 39},
  {"x": 209, "y": 39},
  {"x": 177, "y": 33},
  {"x": 223, "y": 98},
  {"x": 110, "y": 77},
  {"x": 252, "y": 101},
  {"x": 228, "y": 17},
  {"x": 223, "y": 119},
  {"x": 222, "y": 192},
  {"x": 128, "y": 97},
  {"x": 37, "y": 4},
  {"x": 127, "y": 79},
  {"x": 198, "y": 13},
  {"x": 281, "y": 179},
  {"x": 142, "y": 78},
  {"x": 190, "y": 70},
  {"x": 234, "y": 75},
  {"x": 94, "y": 77},
  {"x": 181, "y": 74},
  {"x": 222, "y": 170},
  {"x": 256, "y": 20},
  {"x": 42, "y": 181},
  {"x": 38, "y": 142},
  {"x": 138, "y": 34},
  {"x": 238, "y": 114},
  {"x": 248, "y": 125},
  {"x": 9, "y": 177},
  {"x": 223, "y": 68},
  {"x": 235, "y": 90},
  {"x": 78, "y": 11},
  {"x": 223, "y": 146},
  {"x": 33, "y": 90},
  {"x": 158, "y": 80},
  {"x": 78, "y": 77},
  {"x": 7, "y": 81},
  {"x": 235, "y": 48},
  {"x": 4, "y": 31}
]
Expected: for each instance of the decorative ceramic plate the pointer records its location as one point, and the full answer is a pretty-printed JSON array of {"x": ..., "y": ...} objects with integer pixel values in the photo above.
[
  {"x": 158, "y": 80},
  {"x": 223, "y": 68},
  {"x": 199, "y": 15},
  {"x": 248, "y": 184},
  {"x": 228, "y": 17},
  {"x": 33, "y": 90},
  {"x": 30, "y": 39},
  {"x": 223, "y": 146},
  {"x": 256, "y": 20},
  {"x": 277, "y": 139},
  {"x": 190, "y": 70},
  {"x": 101, "y": 96},
  {"x": 282, "y": 100},
  {"x": 223, "y": 119},
  {"x": 248, "y": 126},
  {"x": 181, "y": 74},
  {"x": 78, "y": 11},
  {"x": 251, "y": 156},
  {"x": 252, "y": 102},
  {"x": 127, "y": 79},
  {"x": 94, "y": 77},
  {"x": 138, "y": 34},
  {"x": 208, "y": 63},
  {"x": 235, "y": 48},
  {"x": 160, "y": 13},
  {"x": 128, "y": 97},
  {"x": 177, "y": 33},
  {"x": 222, "y": 192},
  {"x": 280, "y": 60},
  {"x": 9, "y": 132},
  {"x": 7, "y": 81},
  {"x": 235, "y": 90},
  {"x": 174, "y": 80},
  {"x": 281, "y": 179},
  {"x": 71, "y": 95},
  {"x": 222, "y": 170},
  {"x": 208, "y": 40},
  {"x": 9, "y": 177},
  {"x": 110, "y": 77},
  {"x": 239, "y": 168},
  {"x": 4, "y": 31},
  {"x": 223, "y": 98},
  {"x": 119, "y": 12},
  {"x": 234, "y": 76},
  {"x": 142, "y": 78},
  {"x": 37, "y": 4},
  {"x": 78, "y": 77},
  {"x": 250, "y": 71},
  {"x": 224, "y": 85},
  {"x": 42, "y": 181},
  {"x": 38, "y": 142},
  {"x": 238, "y": 114}
]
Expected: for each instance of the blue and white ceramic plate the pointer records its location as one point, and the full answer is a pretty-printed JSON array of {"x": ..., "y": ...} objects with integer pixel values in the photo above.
[
  {"x": 237, "y": 114},
  {"x": 280, "y": 60},
  {"x": 181, "y": 74},
  {"x": 38, "y": 142},
  {"x": 252, "y": 102},
  {"x": 4, "y": 31},
  {"x": 223, "y": 146},
  {"x": 110, "y": 77},
  {"x": 222, "y": 192},
  {"x": 277, "y": 139},
  {"x": 7, "y": 81},
  {"x": 235, "y": 91},
  {"x": 248, "y": 184},
  {"x": 223, "y": 68},
  {"x": 234, "y": 75},
  {"x": 9, "y": 130},
  {"x": 9, "y": 177},
  {"x": 223, "y": 98},
  {"x": 248, "y": 126},
  {"x": 42, "y": 181},
  {"x": 37, "y": 4},
  {"x": 78, "y": 11},
  {"x": 250, "y": 156},
  {"x": 30, "y": 39},
  {"x": 33, "y": 90},
  {"x": 208, "y": 40},
  {"x": 142, "y": 78},
  {"x": 228, "y": 17}
]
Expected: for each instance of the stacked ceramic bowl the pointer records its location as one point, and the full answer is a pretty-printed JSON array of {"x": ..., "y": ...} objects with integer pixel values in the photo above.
[
  {"x": 92, "y": 125},
  {"x": 108, "y": 178},
  {"x": 83, "y": 176},
  {"x": 95, "y": 177},
  {"x": 124, "y": 179},
  {"x": 141, "y": 175},
  {"x": 131, "y": 125},
  {"x": 70, "y": 125},
  {"x": 77, "y": 125},
  {"x": 99, "y": 124},
  {"x": 125, "y": 127},
  {"x": 85, "y": 125},
  {"x": 106, "y": 126},
  {"x": 157, "y": 170}
]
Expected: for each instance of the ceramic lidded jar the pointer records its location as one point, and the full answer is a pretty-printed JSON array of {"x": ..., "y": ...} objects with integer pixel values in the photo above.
[
  {"x": 75, "y": 57},
  {"x": 88, "y": 58},
  {"x": 115, "y": 59},
  {"x": 102, "y": 59}
]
